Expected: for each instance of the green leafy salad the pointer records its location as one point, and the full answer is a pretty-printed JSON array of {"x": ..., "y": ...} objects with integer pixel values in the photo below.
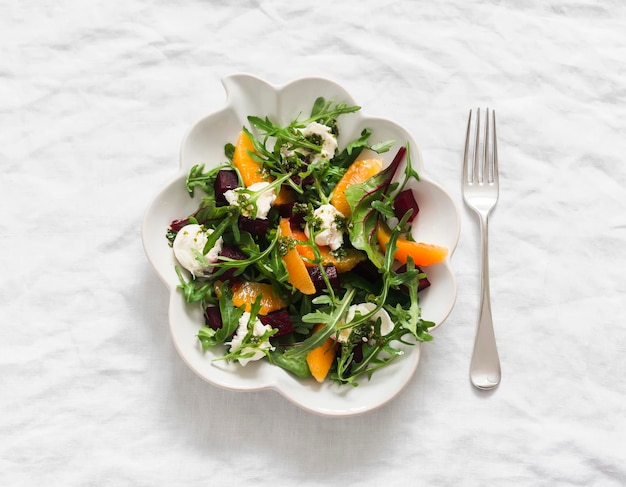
[{"x": 300, "y": 252}]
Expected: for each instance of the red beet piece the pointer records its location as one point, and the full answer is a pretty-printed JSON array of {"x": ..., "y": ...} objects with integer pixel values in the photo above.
[
  {"x": 226, "y": 179},
  {"x": 286, "y": 210},
  {"x": 213, "y": 317},
  {"x": 318, "y": 278},
  {"x": 279, "y": 320},
  {"x": 423, "y": 283},
  {"x": 358, "y": 353},
  {"x": 176, "y": 225},
  {"x": 307, "y": 181},
  {"x": 404, "y": 202},
  {"x": 231, "y": 252},
  {"x": 254, "y": 226},
  {"x": 295, "y": 212}
]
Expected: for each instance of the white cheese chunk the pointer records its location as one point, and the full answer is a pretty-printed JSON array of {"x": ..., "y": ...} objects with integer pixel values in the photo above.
[
  {"x": 330, "y": 232},
  {"x": 264, "y": 201},
  {"x": 258, "y": 329},
  {"x": 329, "y": 141},
  {"x": 190, "y": 241},
  {"x": 386, "y": 324}
]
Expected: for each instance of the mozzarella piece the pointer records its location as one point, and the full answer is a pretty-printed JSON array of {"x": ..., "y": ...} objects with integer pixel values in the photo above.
[
  {"x": 386, "y": 324},
  {"x": 191, "y": 239},
  {"x": 258, "y": 329},
  {"x": 330, "y": 234},
  {"x": 329, "y": 141},
  {"x": 263, "y": 203}
]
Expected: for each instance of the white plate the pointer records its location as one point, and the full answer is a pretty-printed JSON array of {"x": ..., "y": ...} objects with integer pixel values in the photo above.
[{"x": 438, "y": 223}]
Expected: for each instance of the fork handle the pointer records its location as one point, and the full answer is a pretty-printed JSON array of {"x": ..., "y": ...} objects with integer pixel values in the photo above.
[{"x": 485, "y": 364}]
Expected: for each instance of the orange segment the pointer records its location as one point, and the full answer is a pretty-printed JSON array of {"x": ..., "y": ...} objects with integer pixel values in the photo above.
[
  {"x": 245, "y": 293},
  {"x": 423, "y": 254},
  {"x": 358, "y": 172},
  {"x": 321, "y": 359},
  {"x": 251, "y": 170},
  {"x": 346, "y": 263},
  {"x": 298, "y": 275},
  {"x": 305, "y": 251},
  {"x": 285, "y": 195}
]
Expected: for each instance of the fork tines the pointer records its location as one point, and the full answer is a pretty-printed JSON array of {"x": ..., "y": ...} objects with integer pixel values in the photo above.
[{"x": 484, "y": 155}]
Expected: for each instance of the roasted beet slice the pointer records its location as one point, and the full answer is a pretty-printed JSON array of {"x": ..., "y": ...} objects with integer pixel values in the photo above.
[
  {"x": 213, "y": 317},
  {"x": 423, "y": 283},
  {"x": 307, "y": 181},
  {"x": 404, "y": 202},
  {"x": 358, "y": 353},
  {"x": 231, "y": 252},
  {"x": 295, "y": 212},
  {"x": 286, "y": 210},
  {"x": 226, "y": 179},
  {"x": 177, "y": 225},
  {"x": 254, "y": 226},
  {"x": 318, "y": 278},
  {"x": 279, "y": 320}
]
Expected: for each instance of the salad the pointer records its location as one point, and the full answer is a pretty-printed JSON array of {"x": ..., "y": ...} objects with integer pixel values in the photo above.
[{"x": 300, "y": 253}]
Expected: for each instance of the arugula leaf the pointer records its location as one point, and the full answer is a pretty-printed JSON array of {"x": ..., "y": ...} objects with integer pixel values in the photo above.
[
  {"x": 362, "y": 143},
  {"x": 359, "y": 143},
  {"x": 229, "y": 221},
  {"x": 364, "y": 218},
  {"x": 382, "y": 146},
  {"x": 326, "y": 112},
  {"x": 352, "y": 151},
  {"x": 318, "y": 106},
  {"x": 331, "y": 316},
  {"x": 230, "y": 314},
  {"x": 250, "y": 247},
  {"x": 385, "y": 208},
  {"x": 229, "y": 151},
  {"x": 193, "y": 290},
  {"x": 197, "y": 178},
  {"x": 209, "y": 212},
  {"x": 230, "y": 320},
  {"x": 251, "y": 343},
  {"x": 296, "y": 365},
  {"x": 285, "y": 134},
  {"x": 411, "y": 319},
  {"x": 348, "y": 370}
]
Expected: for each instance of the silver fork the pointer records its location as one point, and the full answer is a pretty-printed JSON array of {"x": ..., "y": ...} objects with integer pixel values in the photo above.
[{"x": 480, "y": 191}]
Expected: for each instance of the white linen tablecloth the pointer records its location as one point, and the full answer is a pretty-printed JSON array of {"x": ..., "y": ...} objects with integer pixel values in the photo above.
[{"x": 95, "y": 98}]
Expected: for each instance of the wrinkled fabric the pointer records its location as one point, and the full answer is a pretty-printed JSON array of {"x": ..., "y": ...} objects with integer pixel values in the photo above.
[{"x": 95, "y": 98}]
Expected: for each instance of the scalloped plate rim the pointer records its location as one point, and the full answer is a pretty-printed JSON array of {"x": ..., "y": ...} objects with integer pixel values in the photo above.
[{"x": 299, "y": 399}]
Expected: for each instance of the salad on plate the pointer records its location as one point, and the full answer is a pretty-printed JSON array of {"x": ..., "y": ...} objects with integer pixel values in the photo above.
[{"x": 301, "y": 253}]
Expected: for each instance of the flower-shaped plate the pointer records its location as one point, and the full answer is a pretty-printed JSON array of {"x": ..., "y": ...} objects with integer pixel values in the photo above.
[{"x": 438, "y": 223}]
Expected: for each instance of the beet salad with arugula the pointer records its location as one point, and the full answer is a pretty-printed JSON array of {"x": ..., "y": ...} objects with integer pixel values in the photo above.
[{"x": 300, "y": 253}]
